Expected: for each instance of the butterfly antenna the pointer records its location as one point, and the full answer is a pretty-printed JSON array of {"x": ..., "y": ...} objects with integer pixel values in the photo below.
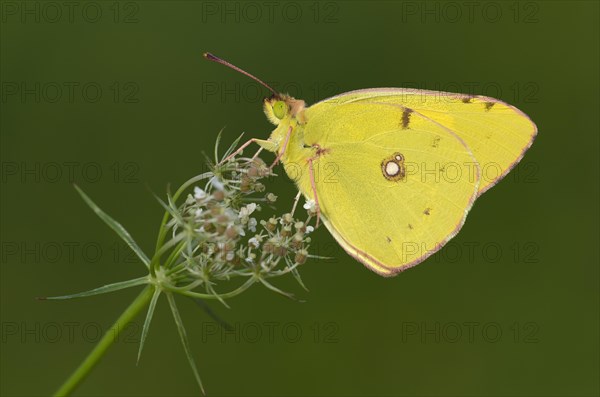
[{"x": 216, "y": 59}]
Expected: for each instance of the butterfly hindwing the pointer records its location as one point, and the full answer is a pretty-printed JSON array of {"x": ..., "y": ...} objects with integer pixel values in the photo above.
[{"x": 393, "y": 185}]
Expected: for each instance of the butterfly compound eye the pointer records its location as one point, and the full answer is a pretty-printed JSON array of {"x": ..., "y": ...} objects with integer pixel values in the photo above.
[{"x": 279, "y": 109}]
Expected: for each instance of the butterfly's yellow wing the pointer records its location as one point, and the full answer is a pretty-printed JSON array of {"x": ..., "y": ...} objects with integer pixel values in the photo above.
[
  {"x": 497, "y": 133},
  {"x": 393, "y": 185},
  {"x": 395, "y": 171}
]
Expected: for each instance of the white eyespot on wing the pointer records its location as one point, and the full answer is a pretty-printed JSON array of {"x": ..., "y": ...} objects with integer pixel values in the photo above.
[{"x": 392, "y": 168}]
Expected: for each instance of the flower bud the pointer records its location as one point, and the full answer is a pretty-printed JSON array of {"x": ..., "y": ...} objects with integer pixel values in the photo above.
[
  {"x": 287, "y": 218},
  {"x": 271, "y": 224},
  {"x": 229, "y": 246},
  {"x": 300, "y": 227},
  {"x": 301, "y": 256},
  {"x": 287, "y": 231},
  {"x": 231, "y": 232},
  {"x": 280, "y": 250},
  {"x": 246, "y": 184},
  {"x": 271, "y": 198},
  {"x": 253, "y": 172},
  {"x": 268, "y": 247},
  {"x": 219, "y": 195},
  {"x": 209, "y": 227},
  {"x": 297, "y": 240}
]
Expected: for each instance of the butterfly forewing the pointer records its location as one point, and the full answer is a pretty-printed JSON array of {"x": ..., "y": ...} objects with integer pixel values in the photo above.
[{"x": 497, "y": 133}]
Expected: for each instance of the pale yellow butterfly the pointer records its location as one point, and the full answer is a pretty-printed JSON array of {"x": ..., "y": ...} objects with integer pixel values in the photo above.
[{"x": 394, "y": 171}]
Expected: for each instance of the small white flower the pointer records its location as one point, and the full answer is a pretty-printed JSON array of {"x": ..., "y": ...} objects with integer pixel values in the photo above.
[
  {"x": 198, "y": 213},
  {"x": 238, "y": 228},
  {"x": 309, "y": 229},
  {"x": 199, "y": 194},
  {"x": 217, "y": 183},
  {"x": 229, "y": 256},
  {"x": 309, "y": 205},
  {"x": 249, "y": 260},
  {"x": 252, "y": 224},
  {"x": 254, "y": 242},
  {"x": 247, "y": 210}
]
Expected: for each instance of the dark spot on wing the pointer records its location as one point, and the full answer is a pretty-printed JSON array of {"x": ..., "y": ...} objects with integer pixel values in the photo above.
[
  {"x": 427, "y": 211},
  {"x": 389, "y": 240},
  {"x": 436, "y": 141},
  {"x": 467, "y": 99},
  {"x": 488, "y": 105},
  {"x": 410, "y": 226},
  {"x": 393, "y": 168},
  {"x": 406, "y": 118}
]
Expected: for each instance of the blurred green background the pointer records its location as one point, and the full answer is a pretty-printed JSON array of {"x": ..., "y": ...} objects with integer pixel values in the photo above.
[{"x": 117, "y": 98}]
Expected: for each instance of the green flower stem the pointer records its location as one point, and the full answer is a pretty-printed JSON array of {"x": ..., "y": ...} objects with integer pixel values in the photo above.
[
  {"x": 175, "y": 254},
  {"x": 107, "y": 340}
]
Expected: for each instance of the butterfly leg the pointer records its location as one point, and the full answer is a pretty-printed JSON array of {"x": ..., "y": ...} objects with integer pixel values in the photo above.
[
  {"x": 282, "y": 151},
  {"x": 264, "y": 144},
  {"x": 296, "y": 202},
  {"x": 260, "y": 149},
  {"x": 311, "y": 172}
]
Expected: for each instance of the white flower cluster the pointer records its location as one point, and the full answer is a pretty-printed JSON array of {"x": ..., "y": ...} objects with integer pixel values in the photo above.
[{"x": 218, "y": 236}]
